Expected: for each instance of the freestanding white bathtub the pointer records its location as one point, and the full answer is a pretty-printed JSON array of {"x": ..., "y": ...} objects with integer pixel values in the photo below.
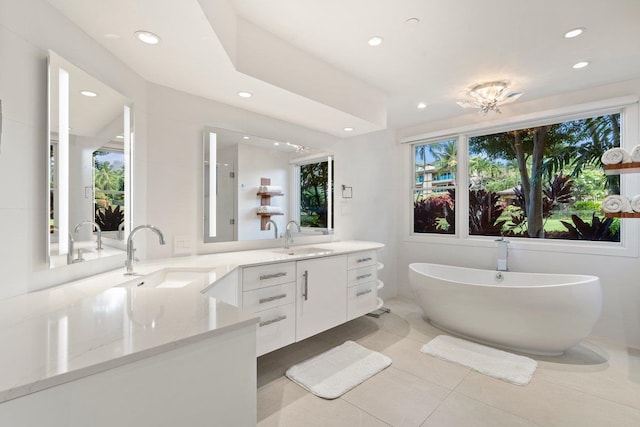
[{"x": 529, "y": 312}]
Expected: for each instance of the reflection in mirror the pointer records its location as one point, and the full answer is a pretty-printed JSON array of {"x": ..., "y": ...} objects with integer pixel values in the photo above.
[
  {"x": 90, "y": 145},
  {"x": 254, "y": 187}
]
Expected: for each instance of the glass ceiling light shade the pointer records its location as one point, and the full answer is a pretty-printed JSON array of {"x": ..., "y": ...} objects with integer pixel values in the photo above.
[{"x": 488, "y": 96}]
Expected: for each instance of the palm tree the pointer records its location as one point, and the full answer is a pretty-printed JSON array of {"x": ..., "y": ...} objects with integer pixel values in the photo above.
[{"x": 446, "y": 156}]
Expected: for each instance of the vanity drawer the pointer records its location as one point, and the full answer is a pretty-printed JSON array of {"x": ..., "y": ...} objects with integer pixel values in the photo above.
[
  {"x": 268, "y": 275},
  {"x": 361, "y": 259},
  {"x": 362, "y": 275},
  {"x": 277, "y": 328},
  {"x": 269, "y": 297},
  {"x": 361, "y": 299}
]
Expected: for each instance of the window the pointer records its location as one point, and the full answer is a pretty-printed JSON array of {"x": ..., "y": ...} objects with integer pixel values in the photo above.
[
  {"x": 109, "y": 194},
  {"x": 434, "y": 191},
  {"x": 544, "y": 182},
  {"x": 315, "y": 193}
]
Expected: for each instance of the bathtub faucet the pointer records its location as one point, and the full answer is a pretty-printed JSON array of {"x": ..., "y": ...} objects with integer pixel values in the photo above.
[{"x": 503, "y": 254}]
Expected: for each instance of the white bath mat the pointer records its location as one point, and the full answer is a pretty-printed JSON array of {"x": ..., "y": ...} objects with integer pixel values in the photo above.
[
  {"x": 486, "y": 360},
  {"x": 336, "y": 371}
]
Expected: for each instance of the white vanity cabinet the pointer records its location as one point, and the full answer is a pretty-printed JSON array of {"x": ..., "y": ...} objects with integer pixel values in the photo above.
[
  {"x": 321, "y": 302},
  {"x": 298, "y": 299},
  {"x": 269, "y": 291}
]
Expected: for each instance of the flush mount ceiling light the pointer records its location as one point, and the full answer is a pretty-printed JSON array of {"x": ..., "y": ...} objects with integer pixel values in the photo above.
[
  {"x": 88, "y": 93},
  {"x": 574, "y": 33},
  {"x": 488, "y": 96},
  {"x": 375, "y": 41},
  {"x": 147, "y": 37},
  {"x": 348, "y": 129},
  {"x": 422, "y": 105},
  {"x": 581, "y": 64},
  {"x": 244, "y": 94}
]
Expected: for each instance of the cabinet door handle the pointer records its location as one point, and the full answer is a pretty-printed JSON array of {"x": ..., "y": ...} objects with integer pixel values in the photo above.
[
  {"x": 273, "y": 298},
  {"x": 364, "y": 259},
  {"x": 305, "y": 289},
  {"x": 272, "y": 276},
  {"x": 274, "y": 320},
  {"x": 364, "y": 276},
  {"x": 368, "y": 291}
]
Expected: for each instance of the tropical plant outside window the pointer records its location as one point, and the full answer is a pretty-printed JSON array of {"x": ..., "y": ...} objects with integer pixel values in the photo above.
[
  {"x": 434, "y": 187},
  {"x": 316, "y": 189},
  {"x": 539, "y": 182},
  {"x": 108, "y": 181}
]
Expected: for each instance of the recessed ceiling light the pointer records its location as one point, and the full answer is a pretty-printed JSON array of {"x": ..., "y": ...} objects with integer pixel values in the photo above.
[
  {"x": 246, "y": 137},
  {"x": 244, "y": 94},
  {"x": 422, "y": 105},
  {"x": 580, "y": 64},
  {"x": 88, "y": 93},
  {"x": 120, "y": 136},
  {"x": 348, "y": 129},
  {"x": 147, "y": 37},
  {"x": 573, "y": 33},
  {"x": 412, "y": 21},
  {"x": 276, "y": 143},
  {"x": 375, "y": 41}
]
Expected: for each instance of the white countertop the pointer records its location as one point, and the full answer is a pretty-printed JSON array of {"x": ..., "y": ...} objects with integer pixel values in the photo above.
[{"x": 87, "y": 326}]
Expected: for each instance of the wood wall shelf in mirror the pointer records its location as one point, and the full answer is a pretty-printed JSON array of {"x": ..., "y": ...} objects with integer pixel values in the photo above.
[
  {"x": 232, "y": 196},
  {"x": 90, "y": 148}
]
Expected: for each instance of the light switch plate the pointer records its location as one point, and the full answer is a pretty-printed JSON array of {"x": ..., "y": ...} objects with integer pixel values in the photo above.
[{"x": 182, "y": 245}]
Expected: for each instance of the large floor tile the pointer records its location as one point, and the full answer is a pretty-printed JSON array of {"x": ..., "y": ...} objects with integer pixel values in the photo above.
[
  {"x": 458, "y": 410},
  {"x": 407, "y": 357},
  {"x": 398, "y": 398},
  {"x": 548, "y": 404},
  {"x": 313, "y": 411}
]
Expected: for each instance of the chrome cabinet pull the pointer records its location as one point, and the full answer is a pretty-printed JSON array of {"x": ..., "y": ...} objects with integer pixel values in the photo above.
[
  {"x": 273, "y": 298},
  {"x": 305, "y": 292},
  {"x": 364, "y": 259},
  {"x": 368, "y": 291},
  {"x": 272, "y": 276},
  {"x": 364, "y": 276},
  {"x": 274, "y": 320}
]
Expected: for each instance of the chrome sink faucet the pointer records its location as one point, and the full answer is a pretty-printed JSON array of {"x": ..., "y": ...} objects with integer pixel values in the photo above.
[
  {"x": 130, "y": 249},
  {"x": 98, "y": 230},
  {"x": 288, "y": 237},
  {"x": 275, "y": 228},
  {"x": 503, "y": 254}
]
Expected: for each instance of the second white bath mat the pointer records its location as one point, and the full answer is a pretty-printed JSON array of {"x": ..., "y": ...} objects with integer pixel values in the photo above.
[
  {"x": 331, "y": 374},
  {"x": 486, "y": 360}
]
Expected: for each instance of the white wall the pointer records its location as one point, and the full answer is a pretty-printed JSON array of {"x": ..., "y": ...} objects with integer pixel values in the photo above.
[
  {"x": 28, "y": 28},
  {"x": 620, "y": 319}
]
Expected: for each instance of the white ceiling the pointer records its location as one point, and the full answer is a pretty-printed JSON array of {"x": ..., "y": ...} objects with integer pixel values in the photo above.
[{"x": 308, "y": 62}]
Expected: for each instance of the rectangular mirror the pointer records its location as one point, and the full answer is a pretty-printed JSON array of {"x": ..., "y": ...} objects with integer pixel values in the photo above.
[
  {"x": 90, "y": 147},
  {"x": 259, "y": 184}
]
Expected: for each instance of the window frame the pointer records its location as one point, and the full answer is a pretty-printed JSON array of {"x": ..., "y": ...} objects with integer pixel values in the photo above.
[{"x": 629, "y": 183}]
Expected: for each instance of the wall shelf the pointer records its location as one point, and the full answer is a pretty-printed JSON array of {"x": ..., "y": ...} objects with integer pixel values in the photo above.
[
  {"x": 265, "y": 200},
  {"x": 622, "y": 168},
  {"x": 622, "y": 214}
]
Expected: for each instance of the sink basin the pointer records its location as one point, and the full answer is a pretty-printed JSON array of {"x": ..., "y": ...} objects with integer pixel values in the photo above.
[
  {"x": 170, "y": 278},
  {"x": 304, "y": 251}
]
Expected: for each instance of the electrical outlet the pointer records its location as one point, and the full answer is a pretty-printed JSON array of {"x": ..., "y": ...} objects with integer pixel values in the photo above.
[{"x": 182, "y": 245}]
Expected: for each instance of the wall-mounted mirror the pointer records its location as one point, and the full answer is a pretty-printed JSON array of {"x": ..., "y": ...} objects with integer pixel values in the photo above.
[
  {"x": 90, "y": 147},
  {"x": 259, "y": 184}
]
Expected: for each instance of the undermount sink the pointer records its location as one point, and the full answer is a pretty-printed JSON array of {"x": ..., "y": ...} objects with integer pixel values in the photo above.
[
  {"x": 304, "y": 251},
  {"x": 170, "y": 278}
]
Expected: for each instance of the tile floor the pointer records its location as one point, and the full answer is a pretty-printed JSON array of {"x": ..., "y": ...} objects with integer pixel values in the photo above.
[{"x": 596, "y": 383}]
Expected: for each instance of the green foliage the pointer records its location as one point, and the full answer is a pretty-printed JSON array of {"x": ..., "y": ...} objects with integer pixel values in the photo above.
[
  {"x": 429, "y": 213},
  {"x": 599, "y": 229},
  {"x": 313, "y": 194},
  {"x": 587, "y": 205}
]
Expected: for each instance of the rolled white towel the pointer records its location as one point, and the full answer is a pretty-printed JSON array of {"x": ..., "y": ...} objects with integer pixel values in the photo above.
[
  {"x": 269, "y": 209},
  {"x": 270, "y": 189},
  {"x": 616, "y": 155},
  {"x": 616, "y": 203},
  {"x": 635, "y": 203},
  {"x": 635, "y": 154}
]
